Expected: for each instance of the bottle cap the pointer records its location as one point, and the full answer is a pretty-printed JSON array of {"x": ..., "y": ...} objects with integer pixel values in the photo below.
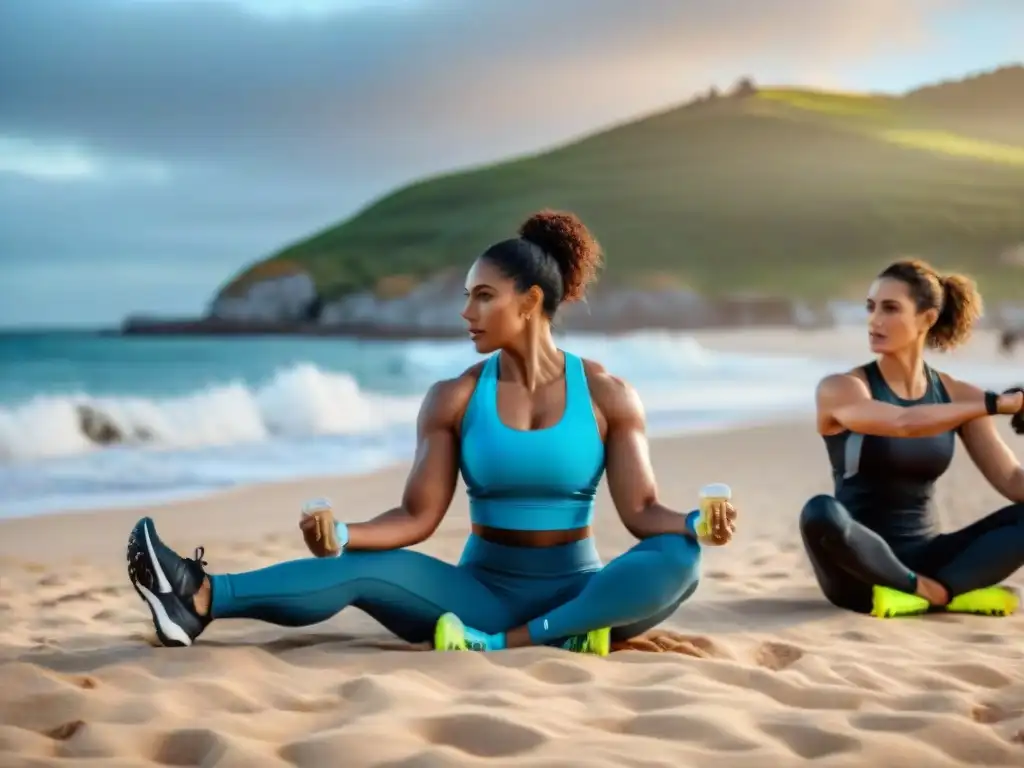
[
  {"x": 315, "y": 505},
  {"x": 716, "y": 491}
]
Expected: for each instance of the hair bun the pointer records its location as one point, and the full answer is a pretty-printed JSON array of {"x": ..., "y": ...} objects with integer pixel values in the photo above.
[{"x": 568, "y": 241}]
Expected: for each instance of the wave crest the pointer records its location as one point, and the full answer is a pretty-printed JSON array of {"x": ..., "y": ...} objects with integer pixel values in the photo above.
[{"x": 301, "y": 400}]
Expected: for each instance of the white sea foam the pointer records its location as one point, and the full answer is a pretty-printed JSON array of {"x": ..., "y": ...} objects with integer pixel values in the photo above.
[{"x": 305, "y": 418}]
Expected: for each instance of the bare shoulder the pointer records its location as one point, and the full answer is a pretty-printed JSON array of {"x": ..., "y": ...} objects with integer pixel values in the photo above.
[
  {"x": 447, "y": 399},
  {"x": 616, "y": 398},
  {"x": 842, "y": 386},
  {"x": 959, "y": 389}
]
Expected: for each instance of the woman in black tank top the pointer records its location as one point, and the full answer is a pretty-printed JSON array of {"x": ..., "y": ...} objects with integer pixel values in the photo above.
[{"x": 890, "y": 428}]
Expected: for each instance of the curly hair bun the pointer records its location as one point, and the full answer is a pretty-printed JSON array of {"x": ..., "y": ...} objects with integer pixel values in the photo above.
[{"x": 568, "y": 241}]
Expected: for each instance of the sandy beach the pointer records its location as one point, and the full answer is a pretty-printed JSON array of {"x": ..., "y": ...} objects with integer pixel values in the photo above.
[{"x": 764, "y": 672}]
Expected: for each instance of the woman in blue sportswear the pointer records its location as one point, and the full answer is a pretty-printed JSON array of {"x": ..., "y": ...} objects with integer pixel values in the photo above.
[{"x": 532, "y": 429}]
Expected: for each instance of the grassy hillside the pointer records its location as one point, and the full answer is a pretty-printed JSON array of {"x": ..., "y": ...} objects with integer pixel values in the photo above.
[{"x": 788, "y": 192}]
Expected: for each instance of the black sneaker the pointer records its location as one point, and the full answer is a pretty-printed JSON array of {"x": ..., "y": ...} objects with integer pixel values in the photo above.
[{"x": 167, "y": 583}]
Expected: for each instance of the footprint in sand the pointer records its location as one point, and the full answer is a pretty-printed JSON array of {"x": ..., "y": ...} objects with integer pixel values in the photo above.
[
  {"x": 990, "y": 714},
  {"x": 891, "y": 722},
  {"x": 664, "y": 641},
  {"x": 811, "y": 742},
  {"x": 189, "y": 746},
  {"x": 65, "y": 731},
  {"x": 482, "y": 735},
  {"x": 368, "y": 691},
  {"x": 85, "y": 682},
  {"x": 776, "y": 656},
  {"x": 859, "y": 636},
  {"x": 654, "y": 699},
  {"x": 89, "y": 741},
  {"x": 559, "y": 672}
]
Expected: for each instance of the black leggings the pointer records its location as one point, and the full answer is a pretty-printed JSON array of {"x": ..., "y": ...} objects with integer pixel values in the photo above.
[{"x": 849, "y": 559}]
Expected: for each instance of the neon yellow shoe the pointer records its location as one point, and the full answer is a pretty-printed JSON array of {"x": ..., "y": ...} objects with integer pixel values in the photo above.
[
  {"x": 450, "y": 635},
  {"x": 889, "y": 603},
  {"x": 597, "y": 642},
  {"x": 987, "y": 601}
]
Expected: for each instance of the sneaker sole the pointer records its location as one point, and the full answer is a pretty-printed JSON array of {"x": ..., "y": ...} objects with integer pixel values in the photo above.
[
  {"x": 997, "y": 611},
  {"x": 145, "y": 575}
]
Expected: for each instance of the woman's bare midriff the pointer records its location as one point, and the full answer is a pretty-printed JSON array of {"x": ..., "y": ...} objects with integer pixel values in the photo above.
[{"x": 512, "y": 538}]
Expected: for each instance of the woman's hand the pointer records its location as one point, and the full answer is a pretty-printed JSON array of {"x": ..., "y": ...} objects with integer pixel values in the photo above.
[
  {"x": 1011, "y": 402},
  {"x": 318, "y": 530},
  {"x": 722, "y": 523}
]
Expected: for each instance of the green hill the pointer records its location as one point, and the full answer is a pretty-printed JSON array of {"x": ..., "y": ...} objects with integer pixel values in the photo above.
[{"x": 783, "y": 191}]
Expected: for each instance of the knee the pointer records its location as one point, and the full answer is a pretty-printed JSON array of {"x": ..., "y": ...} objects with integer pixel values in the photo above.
[
  {"x": 820, "y": 516},
  {"x": 681, "y": 553}
]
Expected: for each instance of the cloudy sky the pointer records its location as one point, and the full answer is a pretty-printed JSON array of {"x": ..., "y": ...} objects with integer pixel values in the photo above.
[{"x": 149, "y": 148}]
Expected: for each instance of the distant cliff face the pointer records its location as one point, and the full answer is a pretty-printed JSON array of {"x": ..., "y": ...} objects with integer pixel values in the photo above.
[
  {"x": 287, "y": 298},
  {"x": 434, "y": 305}
]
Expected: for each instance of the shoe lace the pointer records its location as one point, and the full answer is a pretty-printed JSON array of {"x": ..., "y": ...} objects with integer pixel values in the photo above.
[{"x": 197, "y": 558}]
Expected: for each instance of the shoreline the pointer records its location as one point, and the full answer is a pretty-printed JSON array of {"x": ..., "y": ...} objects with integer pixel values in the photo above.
[
  {"x": 157, "y": 502},
  {"x": 839, "y": 345}
]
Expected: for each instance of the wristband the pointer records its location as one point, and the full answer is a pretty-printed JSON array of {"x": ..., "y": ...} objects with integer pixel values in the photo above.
[
  {"x": 692, "y": 519},
  {"x": 341, "y": 531},
  {"x": 991, "y": 403}
]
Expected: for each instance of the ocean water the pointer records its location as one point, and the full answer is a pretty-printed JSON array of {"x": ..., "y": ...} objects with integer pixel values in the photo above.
[{"x": 204, "y": 414}]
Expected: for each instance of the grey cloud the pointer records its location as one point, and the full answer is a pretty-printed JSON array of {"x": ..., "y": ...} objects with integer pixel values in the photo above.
[
  {"x": 211, "y": 83},
  {"x": 274, "y": 126}
]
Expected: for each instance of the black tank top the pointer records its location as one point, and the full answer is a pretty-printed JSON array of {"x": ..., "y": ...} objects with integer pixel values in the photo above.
[{"x": 887, "y": 483}]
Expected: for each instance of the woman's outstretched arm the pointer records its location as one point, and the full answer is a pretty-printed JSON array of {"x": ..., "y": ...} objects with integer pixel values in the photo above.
[
  {"x": 431, "y": 482},
  {"x": 631, "y": 480},
  {"x": 844, "y": 402},
  {"x": 986, "y": 447}
]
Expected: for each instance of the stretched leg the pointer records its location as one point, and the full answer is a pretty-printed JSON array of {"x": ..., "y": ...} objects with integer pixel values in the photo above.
[
  {"x": 405, "y": 591},
  {"x": 851, "y": 562},
  {"x": 982, "y": 555}
]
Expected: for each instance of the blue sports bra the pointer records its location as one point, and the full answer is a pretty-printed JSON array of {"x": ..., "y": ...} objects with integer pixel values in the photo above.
[{"x": 531, "y": 480}]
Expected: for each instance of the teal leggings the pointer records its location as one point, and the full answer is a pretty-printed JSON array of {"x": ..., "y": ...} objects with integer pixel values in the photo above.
[{"x": 556, "y": 591}]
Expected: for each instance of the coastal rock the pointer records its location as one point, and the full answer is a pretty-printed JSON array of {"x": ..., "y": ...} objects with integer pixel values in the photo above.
[
  {"x": 102, "y": 429},
  {"x": 401, "y": 306},
  {"x": 433, "y": 304},
  {"x": 97, "y": 426},
  {"x": 288, "y": 298}
]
